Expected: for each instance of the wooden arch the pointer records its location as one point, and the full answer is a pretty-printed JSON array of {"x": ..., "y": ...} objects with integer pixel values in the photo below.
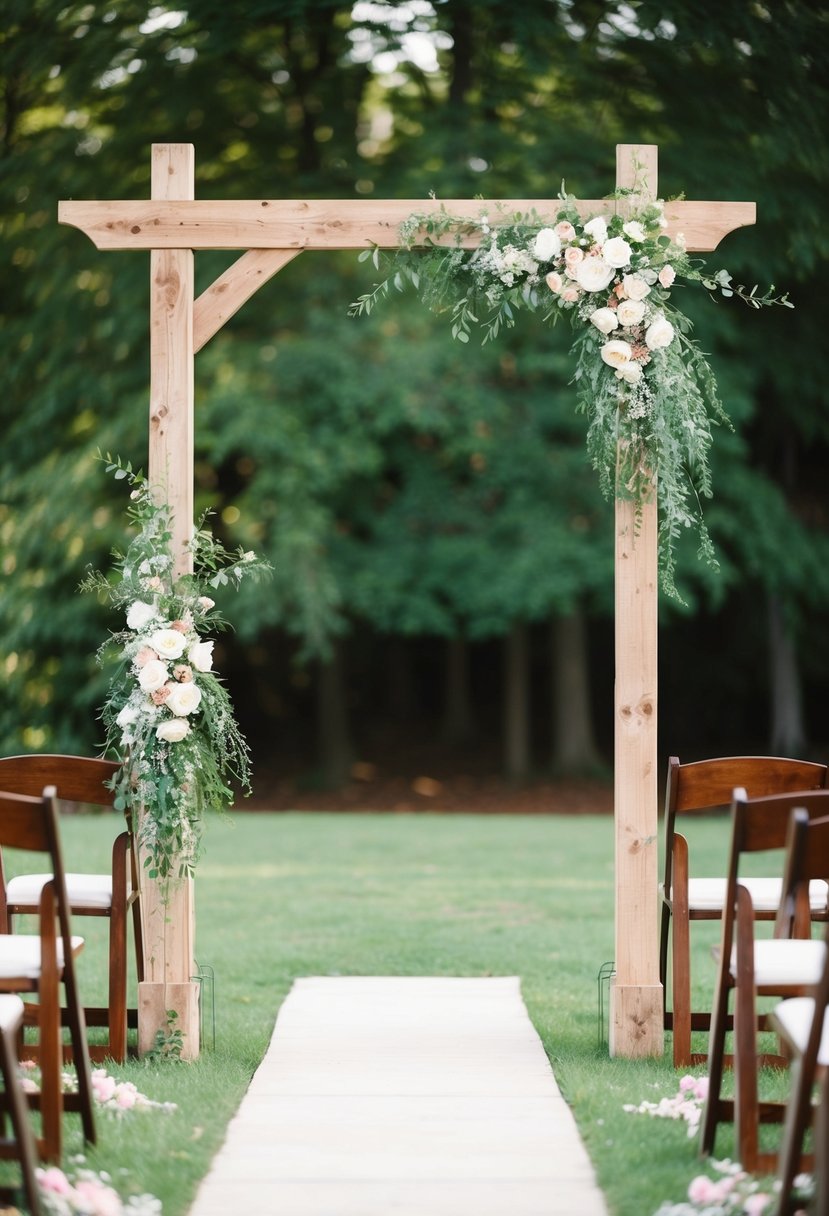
[{"x": 171, "y": 226}]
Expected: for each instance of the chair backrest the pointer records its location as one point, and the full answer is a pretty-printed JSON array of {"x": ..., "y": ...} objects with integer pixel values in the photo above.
[
  {"x": 807, "y": 859},
  {"x": 31, "y": 824},
  {"x": 762, "y": 825},
  {"x": 703, "y": 785},
  {"x": 76, "y": 778}
]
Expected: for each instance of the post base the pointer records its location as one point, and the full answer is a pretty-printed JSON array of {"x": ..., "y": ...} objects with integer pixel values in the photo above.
[
  {"x": 155, "y": 1004},
  {"x": 635, "y": 1020}
]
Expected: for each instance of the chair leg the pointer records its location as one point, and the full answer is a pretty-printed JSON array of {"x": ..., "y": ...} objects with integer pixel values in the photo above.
[
  {"x": 117, "y": 1016},
  {"x": 716, "y": 1060},
  {"x": 681, "y": 958},
  {"x": 798, "y": 1115},
  {"x": 746, "y": 1102},
  {"x": 18, "y": 1112},
  {"x": 50, "y": 1058}
]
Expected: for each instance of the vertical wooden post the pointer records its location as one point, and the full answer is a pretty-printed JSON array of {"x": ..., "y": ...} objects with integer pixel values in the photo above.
[
  {"x": 636, "y": 994},
  {"x": 169, "y": 920}
]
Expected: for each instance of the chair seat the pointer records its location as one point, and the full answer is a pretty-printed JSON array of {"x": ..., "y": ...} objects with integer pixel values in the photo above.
[
  {"x": 84, "y": 890},
  {"x": 708, "y": 894},
  {"x": 794, "y": 1017},
  {"x": 784, "y": 962},
  {"x": 11, "y": 1013},
  {"x": 20, "y": 954}
]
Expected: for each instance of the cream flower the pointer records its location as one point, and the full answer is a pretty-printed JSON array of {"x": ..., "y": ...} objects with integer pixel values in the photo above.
[
  {"x": 634, "y": 230},
  {"x": 597, "y": 228},
  {"x": 570, "y": 295},
  {"x": 616, "y": 252},
  {"x": 666, "y": 276},
  {"x": 565, "y": 230},
  {"x": 183, "y": 699},
  {"x": 659, "y": 334},
  {"x": 635, "y": 287},
  {"x": 554, "y": 281},
  {"x": 631, "y": 373},
  {"x": 169, "y": 643},
  {"x": 617, "y": 353},
  {"x": 630, "y": 312},
  {"x": 546, "y": 245},
  {"x": 152, "y": 675},
  {"x": 604, "y": 319},
  {"x": 200, "y": 655},
  {"x": 573, "y": 256},
  {"x": 173, "y": 730},
  {"x": 140, "y": 614},
  {"x": 594, "y": 274},
  {"x": 127, "y": 716}
]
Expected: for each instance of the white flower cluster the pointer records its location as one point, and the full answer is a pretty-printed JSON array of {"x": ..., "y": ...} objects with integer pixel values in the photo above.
[
  {"x": 686, "y": 1105},
  {"x": 166, "y": 659}
]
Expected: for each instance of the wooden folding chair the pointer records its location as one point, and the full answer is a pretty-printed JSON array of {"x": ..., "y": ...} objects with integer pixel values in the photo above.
[
  {"x": 81, "y": 779},
  {"x": 39, "y": 963},
  {"x": 20, "y": 1145},
  {"x": 785, "y": 965},
  {"x": 802, "y": 1026},
  {"x": 694, "y": 789}
]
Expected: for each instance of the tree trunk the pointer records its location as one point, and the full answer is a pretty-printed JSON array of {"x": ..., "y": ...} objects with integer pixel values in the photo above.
[
  {"x": 788, "y": 733},
  {"x": 402, "y": 693},
  {"x": 574, "y": 747},
  {"x": 516, "y": 703},
  {"x": 457, "y": 710},
  {"x": 334, "y": 750}
]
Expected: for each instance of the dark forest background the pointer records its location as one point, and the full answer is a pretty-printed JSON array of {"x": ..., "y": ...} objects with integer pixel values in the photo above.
[{"x": 442, "y": 596}]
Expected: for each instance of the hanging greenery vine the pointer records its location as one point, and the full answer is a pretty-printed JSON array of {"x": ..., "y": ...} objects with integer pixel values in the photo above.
[{"x": 646, "y": 387}]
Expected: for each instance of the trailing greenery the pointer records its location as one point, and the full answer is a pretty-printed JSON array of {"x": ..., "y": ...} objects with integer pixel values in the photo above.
[
  {"x": 645, "y": 385},
  {"x": 168, "y": 717}
]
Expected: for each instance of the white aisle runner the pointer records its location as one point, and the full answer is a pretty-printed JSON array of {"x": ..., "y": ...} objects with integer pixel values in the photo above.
[{"x": 402, "y": 1097}]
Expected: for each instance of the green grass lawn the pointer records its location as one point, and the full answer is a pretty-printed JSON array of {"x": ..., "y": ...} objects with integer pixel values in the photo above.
[{"x": 281, "y": 896}]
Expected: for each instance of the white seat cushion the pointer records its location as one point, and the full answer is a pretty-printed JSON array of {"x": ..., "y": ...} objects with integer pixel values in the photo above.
[
  {"x": 779, "y": 963},
  {"x": 84, "y": 890},
  {"x": 11, "y": 1013},
  {"x": 708, "y": 894},
  {"x": 795, "y": 1018},
  {"x": 20, "y": 954}
]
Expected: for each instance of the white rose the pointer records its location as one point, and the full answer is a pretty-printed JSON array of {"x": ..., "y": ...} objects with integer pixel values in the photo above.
[
  {"x": 604, "y": 319},
  {"x": 634, "y": 230},
  {"x": 169, "y": 643},
  {"x": 666, "y": 276},
  {"x": 127, "y": 716},
  {"x": 631, "y": 373},
  {"x": 200, "y": 655},
  {"x": 152, "y": 675},
  {"x": 660, "y": 333},
  {"x": 547, "y": 245},
  {"x": 554, "y": 281},
  {"x": 139, "y": 614},
  {"x": 630, "y": 312},
  {"x": 635, "y": 287},
  {"x": 593, "y": 274},
  {"x": 597, "y": 228},
  {"x": 173, "y": 730},
  {"x": 183, "y": 699},
  {"x": 617, "y": 353},
  {"x": 616, "y": 252}
]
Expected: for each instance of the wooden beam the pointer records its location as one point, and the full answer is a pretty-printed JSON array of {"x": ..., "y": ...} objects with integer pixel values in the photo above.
[
  {"x": 168, "y": 911},
  {"x": 341, "y": 223},
  {"x": 226, "y": 295},
  {"x": 636, "y": 994}
]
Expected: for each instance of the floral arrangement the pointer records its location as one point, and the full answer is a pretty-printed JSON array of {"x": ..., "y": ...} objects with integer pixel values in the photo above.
[
  {"x": 733, "y": 1193},
  {"x": 114, "y": 1096},
  {"x": 86, "y": 1193},
  {"x": 647, "y": 389},
  {"x": 687, "y": 1104},
  {"x": 168, "y": 716}
]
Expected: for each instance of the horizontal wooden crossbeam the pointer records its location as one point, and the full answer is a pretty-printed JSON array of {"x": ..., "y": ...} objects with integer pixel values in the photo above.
[{"x": 343, "y": 223}]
